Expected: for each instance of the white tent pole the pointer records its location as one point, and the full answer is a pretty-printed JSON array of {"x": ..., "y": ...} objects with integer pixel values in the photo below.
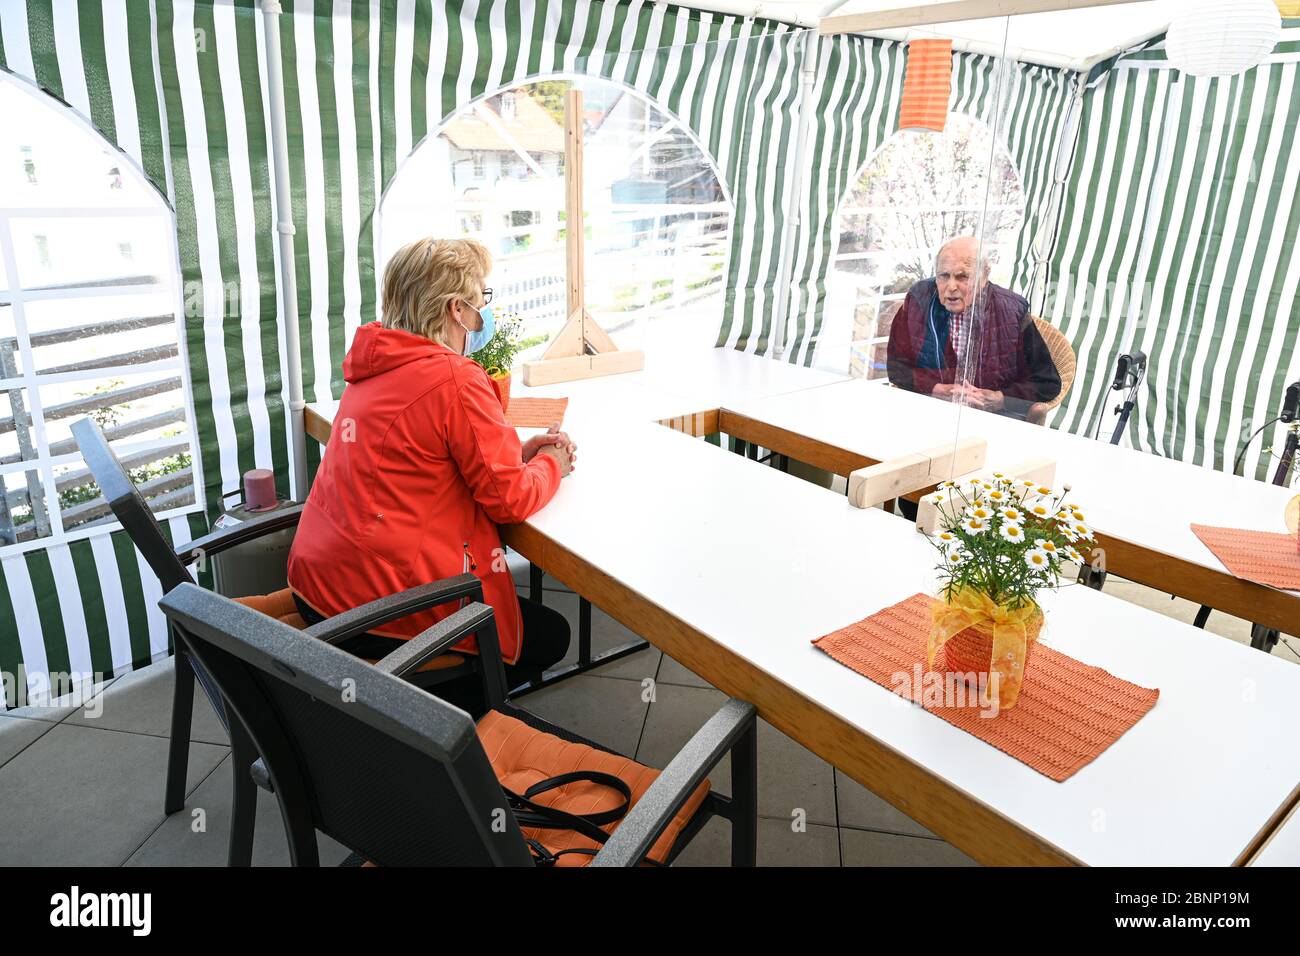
[
  {"x": 1049, "y": 230},
  {"x": 808, "y": 76},
  {"x": 292, "y": 345}
]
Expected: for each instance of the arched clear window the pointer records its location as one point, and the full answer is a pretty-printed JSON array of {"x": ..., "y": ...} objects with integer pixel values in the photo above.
[
  {"x": 918, "y": 190},
  {"x": 89, "y": 325},
  {"x": 658, "y": 219}
]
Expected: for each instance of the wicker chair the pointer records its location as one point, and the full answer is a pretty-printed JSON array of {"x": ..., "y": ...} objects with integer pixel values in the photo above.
[{"x": 1063, "y": 355}]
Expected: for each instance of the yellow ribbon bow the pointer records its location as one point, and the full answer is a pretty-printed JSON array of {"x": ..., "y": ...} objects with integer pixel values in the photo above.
[{"x": 1013, "y": 629}]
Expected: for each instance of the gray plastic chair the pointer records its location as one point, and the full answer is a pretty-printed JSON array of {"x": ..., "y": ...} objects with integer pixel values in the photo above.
[
  {"x": 399, "y": 776},
  {"x": 171, "y": 566}
]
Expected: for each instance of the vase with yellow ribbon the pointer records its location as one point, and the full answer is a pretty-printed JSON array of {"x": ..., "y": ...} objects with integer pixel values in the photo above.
[
  {"x": 498, "y": 355},
  {"x": 1001, "y": 542}
]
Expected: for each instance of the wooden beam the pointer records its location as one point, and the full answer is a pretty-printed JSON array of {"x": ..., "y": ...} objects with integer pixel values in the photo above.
[
  {"x": 954, "y": 10},
  {"x": 878, "y": 483}
]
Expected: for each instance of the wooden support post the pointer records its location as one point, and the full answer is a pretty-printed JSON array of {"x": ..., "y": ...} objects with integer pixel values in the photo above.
[
  {"x": 582, "y": 349},
  {"x": 889, "y": 479}
]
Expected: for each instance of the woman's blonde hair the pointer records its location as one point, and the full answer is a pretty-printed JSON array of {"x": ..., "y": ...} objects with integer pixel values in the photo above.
[{"x": 424, "y": 276}]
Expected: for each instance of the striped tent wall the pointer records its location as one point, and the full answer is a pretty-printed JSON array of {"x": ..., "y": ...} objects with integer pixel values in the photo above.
[
  {"x": 857, "y": 94},
  {"x": 365, "y": 84},
  {"x": 1178, "y": 236},
  {"x": 89, "y": 606},
  {"x": 180, "y": 88}
]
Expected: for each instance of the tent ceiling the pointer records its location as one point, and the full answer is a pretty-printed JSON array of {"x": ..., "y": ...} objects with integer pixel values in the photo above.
[{"x": 1064, "y": 38}]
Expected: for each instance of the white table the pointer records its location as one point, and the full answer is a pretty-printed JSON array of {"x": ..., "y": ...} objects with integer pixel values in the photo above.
[
  {"x": 1142, "y": 505},
  {"x": 681, "y": 543}
]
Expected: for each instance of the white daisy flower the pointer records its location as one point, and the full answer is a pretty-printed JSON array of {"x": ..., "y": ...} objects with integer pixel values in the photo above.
[
  {"x": 975, "y": 525},
  {"x": 1081, "y": 531},
  {"x": 997, "y": 496},
  {"x": 1044, "y": 491},
  {"x": 1012, "y": 532},
  {"x": 1038, "y": 559},
  {"x": 979, "y": 511},
  {"x": 1074, "y": 556},
  {"x": 1046, "y": 545},
  {"x": 1012, "y": 514},
  {"x": 946, "y": 538},
  {"x": 1040, "y": 511}
]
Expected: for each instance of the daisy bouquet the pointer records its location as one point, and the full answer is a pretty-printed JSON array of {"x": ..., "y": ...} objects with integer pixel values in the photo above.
[
  {"x": 1000, "y": 543},
  {"x": 1005, "y": 539}
]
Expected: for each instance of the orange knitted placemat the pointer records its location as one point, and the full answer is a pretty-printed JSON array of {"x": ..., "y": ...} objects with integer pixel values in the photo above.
[
  {"x": 1067, "y": 714},
  {"x": 1264, "y": 557},
  {"x": 536, "y": 412}
]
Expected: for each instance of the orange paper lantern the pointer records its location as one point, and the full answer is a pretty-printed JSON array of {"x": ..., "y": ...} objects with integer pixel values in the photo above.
[{"x": 926, "y": 85}]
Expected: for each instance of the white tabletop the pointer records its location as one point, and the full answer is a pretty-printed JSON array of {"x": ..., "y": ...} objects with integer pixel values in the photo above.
[
  {"x": 1142, "y": 498},
  {"x": 762, "y": 563},
  {"x": 679, "y": 383},
  {"x": 697, "y": 534},
  {"x": 1191, "y": 783}
]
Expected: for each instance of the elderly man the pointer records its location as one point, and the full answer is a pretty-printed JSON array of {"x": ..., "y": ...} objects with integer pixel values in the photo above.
[{"x": 962, "y": 338}]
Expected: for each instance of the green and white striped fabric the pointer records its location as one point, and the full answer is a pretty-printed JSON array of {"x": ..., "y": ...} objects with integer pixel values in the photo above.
[
  {"x": 1178, "y": 237},
  {"x": 180, "y": 87}
]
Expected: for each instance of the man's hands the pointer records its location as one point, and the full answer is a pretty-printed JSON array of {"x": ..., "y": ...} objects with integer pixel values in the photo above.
[
  {"x": 984, "y": 399},
  {"x": 557, "y": 445}
]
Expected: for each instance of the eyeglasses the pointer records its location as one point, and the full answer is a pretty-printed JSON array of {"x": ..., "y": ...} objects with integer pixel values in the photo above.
[{"x": 487, "y": 296}]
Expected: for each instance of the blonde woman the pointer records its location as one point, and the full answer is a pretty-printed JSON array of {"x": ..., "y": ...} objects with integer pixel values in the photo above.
[{"x": 422, "y": 465}]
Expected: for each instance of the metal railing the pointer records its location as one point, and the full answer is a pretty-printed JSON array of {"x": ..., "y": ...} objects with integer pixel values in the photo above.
[{"x": 24, "y": 511}]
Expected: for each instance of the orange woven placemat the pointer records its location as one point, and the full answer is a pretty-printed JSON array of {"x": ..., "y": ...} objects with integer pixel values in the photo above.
[
  {"x": 1264, "y": 557},
  {"x": 1067, "y": 714},
  {"x": 536, "y": 412}
]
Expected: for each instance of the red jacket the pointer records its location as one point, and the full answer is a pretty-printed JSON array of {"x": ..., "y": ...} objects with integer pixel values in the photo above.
[{"x": 420, "y": 468}]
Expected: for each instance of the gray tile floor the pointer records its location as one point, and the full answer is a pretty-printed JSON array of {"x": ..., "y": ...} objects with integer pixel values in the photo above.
[{"x": 83, "y": 785}]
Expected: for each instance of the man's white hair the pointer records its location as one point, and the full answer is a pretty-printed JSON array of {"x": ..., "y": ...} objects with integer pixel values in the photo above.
[{"x": 984, "y": 266}]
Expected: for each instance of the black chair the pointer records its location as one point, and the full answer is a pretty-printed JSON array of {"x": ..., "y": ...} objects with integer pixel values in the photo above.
[
  {"x": 400, "y": 776},
  {"x": 171, "y": 566}
]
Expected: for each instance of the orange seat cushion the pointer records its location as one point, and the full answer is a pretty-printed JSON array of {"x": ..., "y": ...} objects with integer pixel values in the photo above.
[
  {"x": 522, "y": 756},
  {"x": 281, "y": 606}
]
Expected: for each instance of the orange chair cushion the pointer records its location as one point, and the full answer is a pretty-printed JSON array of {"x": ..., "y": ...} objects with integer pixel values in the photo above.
[
  {"x": 522, "y": 756},
  {"x": 281, "y": 606}
]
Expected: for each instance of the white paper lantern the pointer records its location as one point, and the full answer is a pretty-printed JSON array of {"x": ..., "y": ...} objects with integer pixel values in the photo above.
[{"x": 1222, "y": 37}]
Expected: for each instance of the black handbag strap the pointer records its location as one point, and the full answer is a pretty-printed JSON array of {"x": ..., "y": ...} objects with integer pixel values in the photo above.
[{"x": 540, "y": 817}]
